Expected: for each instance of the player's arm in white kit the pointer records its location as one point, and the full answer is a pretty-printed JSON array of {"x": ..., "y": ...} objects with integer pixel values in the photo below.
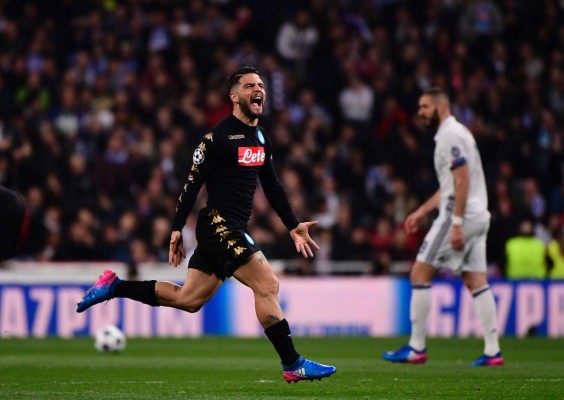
[
  {"x": 457, "y": 151},
  {"x": 461, "y": 178},
  {"x": 413, "y": 220}
]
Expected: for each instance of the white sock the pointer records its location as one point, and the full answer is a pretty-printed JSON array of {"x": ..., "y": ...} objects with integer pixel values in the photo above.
[
  {"x": 485, "y": 309},
  {"x": 418, "y": 314}
]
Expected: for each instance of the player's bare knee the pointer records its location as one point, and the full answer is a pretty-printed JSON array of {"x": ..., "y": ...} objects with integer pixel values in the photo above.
[
  {"x": 421, "y": 274},
  {"x": 191, "y": 305},
  {"x": 474, "y": 280},
  {"x": 268, "y": 287},
  {"x": 417, "y": 278},
  {"x": 274, "y": 287},
  {"x": 194, "y": 308}
]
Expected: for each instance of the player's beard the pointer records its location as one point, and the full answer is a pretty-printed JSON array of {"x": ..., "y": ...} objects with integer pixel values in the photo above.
[
  {"x": 434, "y": 121},
  {"x": 247, "y": 111}
]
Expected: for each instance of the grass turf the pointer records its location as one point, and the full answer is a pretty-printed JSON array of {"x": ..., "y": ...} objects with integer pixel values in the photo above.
[{"x": 229, "y": 368}]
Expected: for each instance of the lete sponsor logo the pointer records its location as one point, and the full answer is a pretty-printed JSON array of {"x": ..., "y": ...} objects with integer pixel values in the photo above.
[{"x": 251, "y": 156}]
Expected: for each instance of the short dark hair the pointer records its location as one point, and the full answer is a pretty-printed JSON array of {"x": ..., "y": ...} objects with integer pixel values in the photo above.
[
  {"x": 236, "y": 76},
  {"x": 437, "y": 94}
]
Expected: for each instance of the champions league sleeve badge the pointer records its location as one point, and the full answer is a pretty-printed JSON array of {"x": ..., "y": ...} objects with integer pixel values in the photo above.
[{"x": 198, "y": 156}]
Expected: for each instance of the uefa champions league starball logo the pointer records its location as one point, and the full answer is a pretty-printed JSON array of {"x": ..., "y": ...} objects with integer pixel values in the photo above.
[{"x": 198, "y": 156}]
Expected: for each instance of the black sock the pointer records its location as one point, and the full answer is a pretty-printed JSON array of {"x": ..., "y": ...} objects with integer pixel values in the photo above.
[
  {"x": 281, "y": 338},
  {"x": 143, "y": 291}
]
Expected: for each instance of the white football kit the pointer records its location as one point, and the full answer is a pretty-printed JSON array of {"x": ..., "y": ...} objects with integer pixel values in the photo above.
[{"x": 454, "y": 147}]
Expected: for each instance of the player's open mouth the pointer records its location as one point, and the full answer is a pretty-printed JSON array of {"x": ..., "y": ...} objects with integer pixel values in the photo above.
[{"x": 256, "y": 102}]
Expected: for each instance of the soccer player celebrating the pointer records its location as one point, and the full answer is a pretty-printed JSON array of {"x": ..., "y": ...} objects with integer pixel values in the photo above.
[
  {"x": 229, "y": 159},
  {"x": 457, "y": 238}
]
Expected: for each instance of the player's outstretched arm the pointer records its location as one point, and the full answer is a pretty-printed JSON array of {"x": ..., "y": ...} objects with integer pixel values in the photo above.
[{"x": 302, "y": 240}]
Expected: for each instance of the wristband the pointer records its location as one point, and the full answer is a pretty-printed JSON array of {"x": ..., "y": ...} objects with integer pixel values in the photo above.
[{"x": 456, "y": 220}]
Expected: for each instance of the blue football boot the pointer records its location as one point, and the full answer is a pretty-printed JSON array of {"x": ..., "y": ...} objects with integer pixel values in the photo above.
[
  {"x": 406, "y": 354},
  {"x": 304, "y": 369},
  {"x": 489, "y": 361},
  {"x": 102, "y": 290}
]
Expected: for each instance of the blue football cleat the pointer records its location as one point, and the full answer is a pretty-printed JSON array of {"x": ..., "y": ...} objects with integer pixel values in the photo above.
[
  {"x": 489, "y": 361},
  {"x": 102, "y": 290},
  {"x": 406, "y": 354},
  {"x": 304, "y": 369}
]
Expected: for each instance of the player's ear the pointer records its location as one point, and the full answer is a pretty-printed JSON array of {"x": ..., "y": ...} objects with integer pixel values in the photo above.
[
  {"x": 234, "y": 98},
  {"x": 443, "y": 107}
]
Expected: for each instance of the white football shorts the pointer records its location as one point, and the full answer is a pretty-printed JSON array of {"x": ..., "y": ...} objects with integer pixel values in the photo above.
[{"x": 437, "y": 251}]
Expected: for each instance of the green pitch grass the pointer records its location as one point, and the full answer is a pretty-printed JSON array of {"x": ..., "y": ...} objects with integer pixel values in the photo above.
[{"x": 227, "y": 368}]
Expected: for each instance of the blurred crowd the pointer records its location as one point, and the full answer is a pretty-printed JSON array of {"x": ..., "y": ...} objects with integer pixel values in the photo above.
[{"x": 103, "y": 101}]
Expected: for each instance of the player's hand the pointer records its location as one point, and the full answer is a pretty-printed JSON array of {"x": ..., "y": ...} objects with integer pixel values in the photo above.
[
  {"x": 176, "y": 249},
  {"x": 302, "y": 240},
  {"x": 412, "y": 221},
  {"x": 457, "y": 238}
]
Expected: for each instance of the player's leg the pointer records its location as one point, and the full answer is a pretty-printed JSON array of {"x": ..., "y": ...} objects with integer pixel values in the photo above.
[
  {"x": 421, "y": 278},
  {"x": 415, "y": 351},
  {"x": 484, "y": 301},
  {"x": 198, "y": 288},
  {"x": 257, "y": 275},
  {"x": 474, "y": 277}
]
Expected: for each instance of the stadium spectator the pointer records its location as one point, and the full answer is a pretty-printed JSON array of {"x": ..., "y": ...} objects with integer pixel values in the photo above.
[
  {"x": 275, "y": 78},
  {"x": 356, "y": 101},
  {"x": 526, "y": 255},
  {"x": 295, "y": 42},
  {"x": 480, "y": 18}
]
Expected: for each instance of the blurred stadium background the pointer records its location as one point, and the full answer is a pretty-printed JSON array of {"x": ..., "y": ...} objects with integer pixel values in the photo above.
[{"x": 102, "y": 102}]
